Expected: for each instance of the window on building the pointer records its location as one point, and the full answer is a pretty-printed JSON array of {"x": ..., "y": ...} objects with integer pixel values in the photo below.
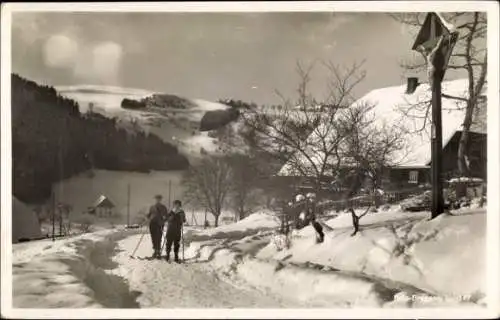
[{"x": 413, "y": 178}]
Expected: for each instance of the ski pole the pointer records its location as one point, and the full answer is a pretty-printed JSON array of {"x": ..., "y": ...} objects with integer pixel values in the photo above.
[
  {"x": 164, "y": 242},
  {"x": 138, "y": 243},
  {"x": 182, "y": 239}
]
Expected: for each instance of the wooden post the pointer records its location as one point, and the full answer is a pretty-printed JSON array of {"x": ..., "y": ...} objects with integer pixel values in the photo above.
[
  {"x": 169, "y": 192},
  {"x": 128, "y": 205},
  {"x": 437, "y": 143},
  {"x": 59, "y": 207},
  {"x": 53, "y": 209},
  {"x": 435, "y": 41},
  {"x": 205, "y": 222}
]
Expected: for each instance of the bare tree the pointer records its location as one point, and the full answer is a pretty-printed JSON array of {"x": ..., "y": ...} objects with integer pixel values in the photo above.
[
  {"x": 469, "y": 56},
  {"x": 208, "y": 184},
  {"x": 370, "y": 149},
  {"x": 309, "y": 141},
  {"x": 244, "y": 182},
  {"x": 342, "y": 135}
]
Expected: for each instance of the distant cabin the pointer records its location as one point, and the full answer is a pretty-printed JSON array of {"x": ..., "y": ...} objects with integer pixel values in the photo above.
[
  {"x": 102, "y": 206},
  {"x": 405, "y": 106},
  {"x": 25, "y": 223}
]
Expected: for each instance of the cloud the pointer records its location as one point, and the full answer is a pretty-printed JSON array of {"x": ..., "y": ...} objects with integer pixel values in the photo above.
[
  {"x": 26, "y": 26},
  {"x": 60, "y": 51},
  {"x": 106, "y": 60},
  {"x": 98, "y": 63}
]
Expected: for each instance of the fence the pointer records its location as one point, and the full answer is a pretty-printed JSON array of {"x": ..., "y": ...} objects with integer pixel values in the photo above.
[{"x": 380, "y": 199}]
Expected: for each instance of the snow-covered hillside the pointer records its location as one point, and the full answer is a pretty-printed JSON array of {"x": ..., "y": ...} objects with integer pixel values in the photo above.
[{"x": 174, "y": 125}]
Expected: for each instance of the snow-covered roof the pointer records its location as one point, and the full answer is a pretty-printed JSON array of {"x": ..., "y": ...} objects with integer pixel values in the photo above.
[
  {"x": 393, "y": 107},
  {"x": 103, "y": 202}
]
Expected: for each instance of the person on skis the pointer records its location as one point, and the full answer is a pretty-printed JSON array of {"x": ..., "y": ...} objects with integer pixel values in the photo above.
[
  {"x": 175, "y": 219},
  {"x": 157, "y": 215}
]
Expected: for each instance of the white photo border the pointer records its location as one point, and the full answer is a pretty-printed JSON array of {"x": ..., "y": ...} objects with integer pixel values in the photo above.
[{"x": 493, "y": 294}]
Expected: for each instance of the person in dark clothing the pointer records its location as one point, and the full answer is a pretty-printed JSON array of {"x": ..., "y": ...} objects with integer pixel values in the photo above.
[
  {"x": 305, "y": 213},
  {"x": 175, "y": 219},
  {"x": 311, "y": 216},
  {"x": 157, "y": 216}
]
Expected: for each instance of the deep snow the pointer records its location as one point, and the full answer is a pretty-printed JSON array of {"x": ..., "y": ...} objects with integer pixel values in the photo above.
[{"x": 397, "y": 260}]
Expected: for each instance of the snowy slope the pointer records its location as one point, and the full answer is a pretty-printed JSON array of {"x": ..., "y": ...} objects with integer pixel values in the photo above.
[{"x": 177, "y": 126}]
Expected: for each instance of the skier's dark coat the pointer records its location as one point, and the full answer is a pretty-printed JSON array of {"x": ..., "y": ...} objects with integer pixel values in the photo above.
[
  {"x": 157, "y": 214},
  {"x": 175, "y": 221}
]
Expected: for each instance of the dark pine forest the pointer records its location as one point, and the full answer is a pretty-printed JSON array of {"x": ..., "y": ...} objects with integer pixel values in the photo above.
[{"x": 52, "y": 140}]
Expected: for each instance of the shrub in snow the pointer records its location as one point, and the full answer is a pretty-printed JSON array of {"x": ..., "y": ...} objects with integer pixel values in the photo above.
[
  {"x": 417, "y": 203},
  {"x": 85, "y": 222},
  {"x": 280, "y": 241}
]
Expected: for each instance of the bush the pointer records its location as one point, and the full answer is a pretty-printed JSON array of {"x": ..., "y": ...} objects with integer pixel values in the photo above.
[{"x": 85, "y": 222}]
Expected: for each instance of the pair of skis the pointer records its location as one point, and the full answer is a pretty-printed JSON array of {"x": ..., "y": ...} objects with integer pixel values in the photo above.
[
  {"x": 132, "y": 256},
  {"x": 163, "y": 258}
]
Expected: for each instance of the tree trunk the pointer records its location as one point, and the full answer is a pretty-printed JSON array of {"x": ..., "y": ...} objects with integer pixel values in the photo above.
[
  {"x": 462, "y": 148},
  {"x": 216, "y": 223},
  {"x": 355, "y": 222},
  {"x": 463, "y": 168}
]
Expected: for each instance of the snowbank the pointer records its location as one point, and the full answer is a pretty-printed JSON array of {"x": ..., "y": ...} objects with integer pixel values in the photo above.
[
  {"x": 444, "y": 256},
  {"x": 398, "y": 259},
  {"x": 466, "y": 179},
  {"x": 254, "y": 223},
  {"x": 307, "y": 284}
]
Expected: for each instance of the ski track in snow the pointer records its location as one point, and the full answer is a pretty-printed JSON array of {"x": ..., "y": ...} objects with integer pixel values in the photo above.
[{"x": 189, "y": 285}]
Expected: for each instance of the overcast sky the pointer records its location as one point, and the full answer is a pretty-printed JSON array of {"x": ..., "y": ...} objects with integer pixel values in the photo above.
[{"x": 207, "y": 55}]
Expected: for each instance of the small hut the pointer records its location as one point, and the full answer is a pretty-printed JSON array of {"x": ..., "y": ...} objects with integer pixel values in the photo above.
[
  {"x": 103, "y": 206},
  {"x": 25, "y": 224}
]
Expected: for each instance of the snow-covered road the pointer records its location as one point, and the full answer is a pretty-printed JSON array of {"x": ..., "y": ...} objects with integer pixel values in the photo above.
[{"x": 190, "y": 285}]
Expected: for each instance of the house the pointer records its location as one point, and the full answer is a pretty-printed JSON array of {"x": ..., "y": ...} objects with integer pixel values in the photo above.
[
  {"x": 25, "y": 223},
  {"x": 103, "y": 206},
  {"x": 405, "y": 106}
]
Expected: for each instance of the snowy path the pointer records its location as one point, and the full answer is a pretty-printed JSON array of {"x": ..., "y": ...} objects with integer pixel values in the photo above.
[{"x": 192, "y": 285}]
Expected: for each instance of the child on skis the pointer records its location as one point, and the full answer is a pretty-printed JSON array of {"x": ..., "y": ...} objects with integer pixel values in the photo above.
[{"x": 175, "y": 219}]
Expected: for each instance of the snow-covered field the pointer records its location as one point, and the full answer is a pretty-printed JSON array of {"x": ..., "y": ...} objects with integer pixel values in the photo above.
[
  {"x": 81, "y": 191},
  {"x": 177, "y": 126},
  {"x": 397, "y": 260}
]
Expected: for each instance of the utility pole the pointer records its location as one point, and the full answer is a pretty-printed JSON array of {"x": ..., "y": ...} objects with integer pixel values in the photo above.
[
  {"x": 53, "y": 209},
  {"x": 128, "y": 205},
  {"x": 169, "y": 192}
]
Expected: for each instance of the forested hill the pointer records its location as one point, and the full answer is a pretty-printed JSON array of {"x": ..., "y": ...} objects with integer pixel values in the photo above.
[{"x": 52, "y": 140}]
